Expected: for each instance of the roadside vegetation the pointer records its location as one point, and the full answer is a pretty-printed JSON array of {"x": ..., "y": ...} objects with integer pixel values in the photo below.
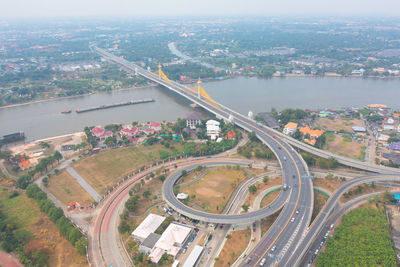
[
  {"x": 362, "y": 239},
  {"x": 28, "y": 232},
  {"x": 56, "y": 215}
]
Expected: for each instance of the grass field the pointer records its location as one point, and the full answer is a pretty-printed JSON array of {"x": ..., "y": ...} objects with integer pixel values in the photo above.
[
  {"x": 328, "y": 184},
  {"x": 233, "y": 247},
  {"x": 67, "y": 189},
  {"x": 26, "y": 214},
  {"x": 213, "y": 191},
  {"x": 105, "y": 169},
  {"x": 344, "y": 145}
]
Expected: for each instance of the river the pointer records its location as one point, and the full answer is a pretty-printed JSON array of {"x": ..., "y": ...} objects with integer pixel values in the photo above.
[{"x": 40, "y": 120}]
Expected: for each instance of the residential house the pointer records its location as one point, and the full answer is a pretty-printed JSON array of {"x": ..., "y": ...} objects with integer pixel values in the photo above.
[
  {"x": 129, "y": 132},
  {"x": 314, "y": 134},
  {"x": 155, "y": 125},
  {"x": 193, "y": 119},
  {"x": 100, "y": 133},
  {"x": 231, "y": 134},
  {"x": 290, "y": 128}
]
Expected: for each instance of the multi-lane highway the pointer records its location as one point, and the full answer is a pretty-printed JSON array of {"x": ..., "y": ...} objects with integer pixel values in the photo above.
[
  {"x": 289, "y": 229},
  {"x": 294, "y": 168}
]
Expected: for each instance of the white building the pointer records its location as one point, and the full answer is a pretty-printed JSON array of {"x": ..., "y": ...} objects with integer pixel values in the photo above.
[
  {"x": 390, "y": 121},
  {"x": 388, "y": 127},
  {"x": 170, "y": 241},
  {"x": 213, "y": 129},
  {"x": 148, "y": 226},
  {"x": 290, "y": 128},
  {"x": 193, "y": 119},
  {"x": 194, "y": 257}
]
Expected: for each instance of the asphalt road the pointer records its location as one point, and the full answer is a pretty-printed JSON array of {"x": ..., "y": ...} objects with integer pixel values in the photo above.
[{"x": 294, "y": 169}]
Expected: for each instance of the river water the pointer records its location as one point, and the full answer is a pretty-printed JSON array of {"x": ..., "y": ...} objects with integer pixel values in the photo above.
[{"x": 40, "y": 120}]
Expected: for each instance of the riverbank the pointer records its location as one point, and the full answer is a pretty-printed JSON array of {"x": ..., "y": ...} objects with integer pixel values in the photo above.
[{"x": 72, "y": 96}]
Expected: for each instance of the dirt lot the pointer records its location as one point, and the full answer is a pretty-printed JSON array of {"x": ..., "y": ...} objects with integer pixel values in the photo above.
[
  {"x": 344, "y": 145},
  {"x": 233, "y": 247},
  {"x": 25, "y": 212},
  {"x": 67, "y": 189},
  {"x": 213, "y": 191},
  {"x": 106, "y": 168},
  {"x": 319, "y": 202},
  {"x": 338, "y": 124},
  {"x": 270, "y": 198}
]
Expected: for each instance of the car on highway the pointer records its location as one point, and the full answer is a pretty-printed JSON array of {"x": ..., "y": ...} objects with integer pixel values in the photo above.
[
  {"x": 297, "y": 211},
  {"x": 274, "y": 137},
  {"x": 262, "y": 262},
  {"x": 284, "y": 158},
  {"x": 273, "y": 248},
  {"x": 316, "y": 251},
  {"x": 292, "y": 220},
  {"x": 332, "y": 226}
]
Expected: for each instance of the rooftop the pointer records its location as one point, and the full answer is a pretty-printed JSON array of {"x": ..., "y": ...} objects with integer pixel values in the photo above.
[
  {"x": 148, "y": 226},
  {"x": 312, "y": 133},
  {"x": 194, "y": 116},
  {"x": 291, "y": 125},
  {"x": 151, "y": 240},
  {"x": 193, "y": 257}
]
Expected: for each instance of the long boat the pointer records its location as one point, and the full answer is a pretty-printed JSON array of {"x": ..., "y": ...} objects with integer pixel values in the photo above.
[{"x": 132, "y": 102}]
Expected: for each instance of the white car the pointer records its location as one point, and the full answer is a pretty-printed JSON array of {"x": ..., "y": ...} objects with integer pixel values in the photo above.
[
  {"x": 292, "y": 220},
  {"x": 273, "y": 248},
  {"x": 262, "y": 262}
]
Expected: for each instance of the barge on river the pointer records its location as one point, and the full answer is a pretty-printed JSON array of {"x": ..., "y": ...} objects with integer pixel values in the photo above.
[{"x": 132, "y": 102}]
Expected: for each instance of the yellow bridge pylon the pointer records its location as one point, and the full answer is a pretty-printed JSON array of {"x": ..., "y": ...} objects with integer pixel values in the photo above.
[
  {"x": 199, "y": 91},
  {"x": 161, "y": 74}
]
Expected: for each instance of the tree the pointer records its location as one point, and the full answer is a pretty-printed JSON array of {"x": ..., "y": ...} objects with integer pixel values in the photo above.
[
  {"x": 80, "y": 246},
  {"x": 110, "y": 141},
  {"x": 265, "y": 179},
  {"x": 162, "y": 178},
  {"x": 252, "y": 189},
  {"x": 252, "y": 136},
  {"x": 146, "y": 194},
  {"x": 245, "y": 207},
  {"x": 123, "y": 227},
  {"x": 57, "y": 156}
]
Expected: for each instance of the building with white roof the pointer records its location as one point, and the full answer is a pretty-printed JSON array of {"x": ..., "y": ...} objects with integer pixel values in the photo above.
[
  {"x": 213, "y": 129},
  {"x": 194, "y": 257},
  {"x": 170, "y": 241},
  {"x": 148, "y": 226}
]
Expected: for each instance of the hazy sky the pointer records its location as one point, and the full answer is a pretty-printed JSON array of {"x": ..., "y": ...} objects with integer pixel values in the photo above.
[{"x": 40, "y": 8}]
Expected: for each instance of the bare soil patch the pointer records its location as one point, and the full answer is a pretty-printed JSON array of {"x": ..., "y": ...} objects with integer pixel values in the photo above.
[
  {"x": 233, "y": 247},
  {"x": 344, "y": 145},
  {"x": 213, "y": 191},
  {"x": 338, "y": 124},
  {"x": 67, "y": 189}
]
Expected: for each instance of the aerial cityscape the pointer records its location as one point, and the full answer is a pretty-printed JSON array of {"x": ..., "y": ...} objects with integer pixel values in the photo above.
[{"x": 200, "y": 133}]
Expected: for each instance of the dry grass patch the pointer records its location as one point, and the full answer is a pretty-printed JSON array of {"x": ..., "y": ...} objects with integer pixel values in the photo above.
[
  {"x": 233, "y": 247},
  {"x": 345, "y": 145},
  {"x": 328, "y": 184},
  {"x": 319, "y": 201},
  {"x": 338, "y": 124},
  {"x": 106, "y": 168},
  {"x": 213, "y": 191},
  {"x": 67, "y": 189},
  {"x": 26, "y": 214},
  {"x": 269, "y": 198}
]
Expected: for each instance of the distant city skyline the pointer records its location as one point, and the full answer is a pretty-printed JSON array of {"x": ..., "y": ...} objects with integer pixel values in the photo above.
[{"x": 52, "y": 8}]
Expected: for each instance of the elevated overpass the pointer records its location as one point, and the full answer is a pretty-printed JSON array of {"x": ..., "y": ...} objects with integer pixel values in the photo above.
[{"x": 242, "y": 121}]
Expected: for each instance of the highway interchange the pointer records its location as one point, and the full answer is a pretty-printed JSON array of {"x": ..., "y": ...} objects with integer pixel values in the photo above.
[{"x": 289, "y": 237}]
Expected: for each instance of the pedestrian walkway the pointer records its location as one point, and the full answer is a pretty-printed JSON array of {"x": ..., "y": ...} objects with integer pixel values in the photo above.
[{"x": 84, "y": 184}]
